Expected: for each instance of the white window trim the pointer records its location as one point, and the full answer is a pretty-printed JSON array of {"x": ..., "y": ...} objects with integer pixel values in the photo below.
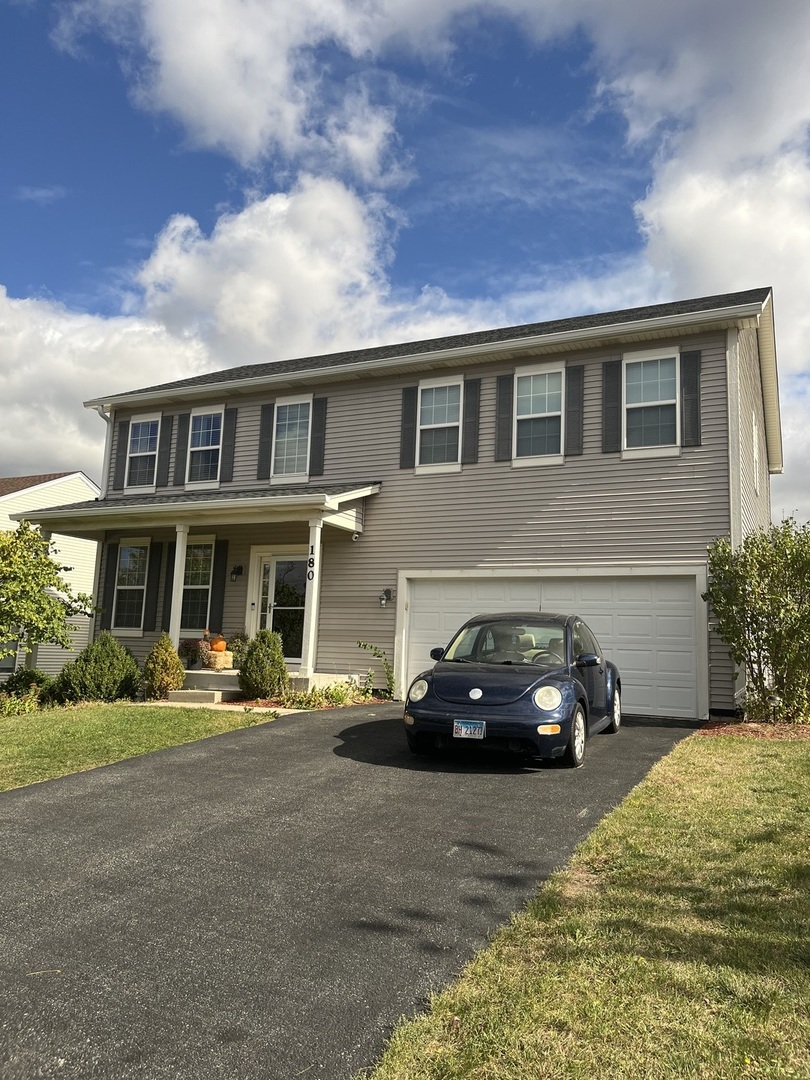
[
  {"x": 205, "y": 410},
  {"x": 141, "y": 489},
  {"x": 291, "y": 478},
  {"x": 440, "y": 466},
  {"x": 130, "y": 541},
  {"x": 538, "y": 459},
  {"x": 192, "y": 539},
  {"x": 670, "y": 449}
]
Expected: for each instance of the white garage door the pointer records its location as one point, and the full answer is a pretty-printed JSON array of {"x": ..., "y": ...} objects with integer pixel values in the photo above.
[{"x": 646, "y": 626}]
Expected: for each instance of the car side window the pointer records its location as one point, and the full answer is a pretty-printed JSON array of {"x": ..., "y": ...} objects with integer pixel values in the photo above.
[{"x": 584, "y": 641}]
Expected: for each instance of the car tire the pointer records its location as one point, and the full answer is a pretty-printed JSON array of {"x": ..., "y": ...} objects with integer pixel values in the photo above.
[
  {"x": 616, "y": 717},
  {"x": 575, "y": 751}
]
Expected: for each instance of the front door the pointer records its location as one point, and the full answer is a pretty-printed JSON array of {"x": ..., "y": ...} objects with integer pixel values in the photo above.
[{"x": 281, "y": 607}]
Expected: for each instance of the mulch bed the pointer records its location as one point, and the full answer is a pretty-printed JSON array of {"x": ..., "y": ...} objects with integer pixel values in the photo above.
[{"x": 755, "y": 731}]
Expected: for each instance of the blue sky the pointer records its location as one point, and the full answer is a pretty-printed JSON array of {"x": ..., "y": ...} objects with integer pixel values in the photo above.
[{"x": 192, "y": 184}]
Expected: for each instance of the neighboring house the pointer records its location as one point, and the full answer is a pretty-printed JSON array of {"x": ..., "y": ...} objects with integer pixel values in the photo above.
[
  {"x": 20, "y": 497},
  {"x": 387, "y": 494}
]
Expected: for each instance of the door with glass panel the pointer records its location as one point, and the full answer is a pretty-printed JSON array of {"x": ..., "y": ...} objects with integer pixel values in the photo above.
[{"x": 281, "y": 608}]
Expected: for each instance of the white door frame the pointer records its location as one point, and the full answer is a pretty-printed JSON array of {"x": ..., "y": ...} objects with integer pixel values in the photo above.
[{"x": 260, "y": 553}]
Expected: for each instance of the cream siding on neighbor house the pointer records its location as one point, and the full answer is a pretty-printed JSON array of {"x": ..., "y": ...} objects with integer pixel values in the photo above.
[{"x": 79, "y": 555}]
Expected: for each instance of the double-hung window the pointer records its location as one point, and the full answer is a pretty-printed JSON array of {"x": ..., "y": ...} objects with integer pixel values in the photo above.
[
  {"x": 204, "y": 446},
  {"x": 651, "y": 406},
  {"x": 291, "y": 438},
  {"x": 538, "y": 434},
  {"x": 142, "y": 451},
  {"x": 130, "y": 584},
  {"x": 439, "y": 426},
  {"x": 197, "y": 576}
]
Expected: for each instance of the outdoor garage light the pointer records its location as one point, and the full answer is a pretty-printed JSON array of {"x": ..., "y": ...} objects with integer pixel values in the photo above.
[
  {"x": 236, "y": 571},
  {"x": 385, "y": 596}
]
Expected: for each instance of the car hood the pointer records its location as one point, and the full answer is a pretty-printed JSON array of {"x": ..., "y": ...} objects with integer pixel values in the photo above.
[{"x": 500, "y": 684}]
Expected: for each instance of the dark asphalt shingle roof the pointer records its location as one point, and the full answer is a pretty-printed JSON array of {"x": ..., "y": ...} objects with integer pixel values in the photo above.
[{"x": 461, "y": 341}]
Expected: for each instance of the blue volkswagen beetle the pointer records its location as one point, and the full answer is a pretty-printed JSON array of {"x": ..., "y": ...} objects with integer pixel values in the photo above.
[{"x": 533, "y": 683}]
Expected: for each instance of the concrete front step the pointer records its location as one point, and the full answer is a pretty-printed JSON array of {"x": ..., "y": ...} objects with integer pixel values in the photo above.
[
  {"x": 206, "y": 679},
  {"x": 210, "y": 697}
]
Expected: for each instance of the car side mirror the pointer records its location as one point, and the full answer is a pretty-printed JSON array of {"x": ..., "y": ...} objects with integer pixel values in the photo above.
[
  {"x": 587, "y": 659},
  {"x": 436, "y": 654}
]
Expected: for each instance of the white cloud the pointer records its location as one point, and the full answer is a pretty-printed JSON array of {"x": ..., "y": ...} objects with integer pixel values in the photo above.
[
  {"x": 53, "y": 359},
  {"x": 42, "y": 195}
]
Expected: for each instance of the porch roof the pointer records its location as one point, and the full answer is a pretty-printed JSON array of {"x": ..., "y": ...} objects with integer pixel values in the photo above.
[{"x": 294, "y": 503}]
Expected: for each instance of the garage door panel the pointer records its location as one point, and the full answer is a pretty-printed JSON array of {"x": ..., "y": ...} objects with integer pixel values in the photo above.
[{"x": 646, "y": 626}]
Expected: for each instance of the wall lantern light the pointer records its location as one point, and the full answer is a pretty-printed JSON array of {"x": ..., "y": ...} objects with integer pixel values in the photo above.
[
  {"x": 386, "y": 596},
  {"x": 236, "y": 571}
]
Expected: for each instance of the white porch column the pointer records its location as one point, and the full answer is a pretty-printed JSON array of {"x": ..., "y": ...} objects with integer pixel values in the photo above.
[
  {"x": 312, "y": 603},
  {"x": 177, "y": 584}
]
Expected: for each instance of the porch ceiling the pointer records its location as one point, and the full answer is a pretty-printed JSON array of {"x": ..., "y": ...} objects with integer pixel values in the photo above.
[{"x": 90, "y": 520}]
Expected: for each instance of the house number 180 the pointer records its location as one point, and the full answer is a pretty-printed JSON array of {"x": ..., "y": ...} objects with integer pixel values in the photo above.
[{"x": 311, "y": 564}]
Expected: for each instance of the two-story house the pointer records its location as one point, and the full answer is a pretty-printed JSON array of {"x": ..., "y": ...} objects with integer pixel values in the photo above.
[
  {"x": 387, "y": 494},
  {"x": 21, "y": 497}
]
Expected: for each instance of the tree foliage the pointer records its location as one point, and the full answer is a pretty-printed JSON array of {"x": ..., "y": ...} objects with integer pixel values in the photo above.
[
  {"x": 35, "y": 601},
  {"x": 760, "y": 597}
]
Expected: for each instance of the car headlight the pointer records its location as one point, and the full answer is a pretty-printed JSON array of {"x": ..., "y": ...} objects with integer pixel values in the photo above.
[
  {"x": 418, "y": 690},
  {"x": 548, "y": 698}
]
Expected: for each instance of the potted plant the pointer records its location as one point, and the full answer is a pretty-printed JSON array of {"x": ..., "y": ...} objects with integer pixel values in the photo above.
[{"x": 189, "y": 651}]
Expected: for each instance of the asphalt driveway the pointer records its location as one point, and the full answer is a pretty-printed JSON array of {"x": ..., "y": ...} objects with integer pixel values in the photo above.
[{"x": 266, "y": 904}]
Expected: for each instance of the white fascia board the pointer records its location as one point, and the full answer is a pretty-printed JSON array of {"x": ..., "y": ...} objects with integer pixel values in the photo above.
[
  {"x": 693, "y": 319},
  {"x": 766, "y": 337}
]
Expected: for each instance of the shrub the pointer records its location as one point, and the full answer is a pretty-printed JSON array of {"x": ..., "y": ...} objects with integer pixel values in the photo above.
[
  {"x": 22, "y": 680},
  {"x": 263, "y": 672},
  {"x": 163, "y": 669},
  {"x": 17, "y": 704},
  {"x": 237, "y": 644},
  {"x": 103, "y": 671},
  {"x": 388, "y": 667}
]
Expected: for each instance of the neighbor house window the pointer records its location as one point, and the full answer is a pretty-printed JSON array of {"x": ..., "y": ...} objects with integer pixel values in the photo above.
[
  {"x": 651, "y": 402},
  {"x": 142, "y": 451},
  {"x": 205, "y": 443},
  {"x": 197, "y": 584},
  {"x": 8, "y": 663},
  {"x": 439, "y": 423},
  {"x": 538, "y": 414},
  {"x": 130, "y": 584},
  {"x": 291, "y": 442}
]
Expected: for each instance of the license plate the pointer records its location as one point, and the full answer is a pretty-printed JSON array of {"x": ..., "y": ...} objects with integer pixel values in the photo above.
[{"x": 469, "y": 729}]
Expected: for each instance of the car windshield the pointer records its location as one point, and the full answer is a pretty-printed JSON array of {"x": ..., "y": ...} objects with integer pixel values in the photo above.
[{"x": 504, "y": 642}]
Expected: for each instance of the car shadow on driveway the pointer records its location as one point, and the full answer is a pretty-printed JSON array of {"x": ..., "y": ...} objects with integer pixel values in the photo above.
[{"x": 381, "y": 741}]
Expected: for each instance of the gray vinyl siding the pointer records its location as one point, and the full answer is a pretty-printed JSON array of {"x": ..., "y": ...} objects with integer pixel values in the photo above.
[{"x": 593, "y": 509}]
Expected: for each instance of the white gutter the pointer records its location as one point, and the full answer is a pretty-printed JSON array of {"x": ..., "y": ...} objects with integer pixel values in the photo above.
[
  {"x": 105, "y": 469},
  {"x": 637, "y": 326}
]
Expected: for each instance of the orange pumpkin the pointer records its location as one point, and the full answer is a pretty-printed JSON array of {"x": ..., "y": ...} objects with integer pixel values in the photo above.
[{"x": 218, "y": 643}]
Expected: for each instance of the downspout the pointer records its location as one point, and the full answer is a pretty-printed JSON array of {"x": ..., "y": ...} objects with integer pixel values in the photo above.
[{"x": 105, "y": 469}]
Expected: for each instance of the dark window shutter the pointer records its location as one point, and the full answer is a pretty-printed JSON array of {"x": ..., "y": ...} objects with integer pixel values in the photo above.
[
  {"x": 611, "y": 406},
  {"x": 469, "y": 431},
  {"x": 220, "y": 570},
  {"x": 108, "y": 594},
  {"x": 181, "y": 449},
  {"x": 265, "y": 442},
  {"x": 317, "y": 442},
  {"x": 574, "y": 403},
  {"x": 407, "y": 431},
  {"x": 168, "y": 587},
  {"x": 164, "y": 448},
  {"x": 152, "y": 586},
  {"x": 121, "y": 452},
  {"x": 228, "y": 446},
  {"x": 690, "y": 398},
  {"x": 504, "y": 397}
]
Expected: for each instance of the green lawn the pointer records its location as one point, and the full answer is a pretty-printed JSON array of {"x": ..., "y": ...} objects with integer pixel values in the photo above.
[
  {"x": 675, "y": 944},
  {"x": 43, "y": 745}
]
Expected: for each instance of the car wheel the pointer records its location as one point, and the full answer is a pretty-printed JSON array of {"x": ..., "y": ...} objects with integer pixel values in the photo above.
[
  {"x": 616, "y": 718},
  {"x": 575, "y": 751}
]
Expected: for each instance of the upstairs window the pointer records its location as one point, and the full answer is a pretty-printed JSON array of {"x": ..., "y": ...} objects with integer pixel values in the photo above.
[
  {"x": 142, "y": 451},
  {"x": 197, "y": 576},
  {"x": 538, "y": 414},
  {"x": 651, "y": 402},
  {"x": 205, "y": 444},
  {"x": 291, "y": 438},
  {"x": 439, "y": 423},
  {"x": 130, "y": 584}
]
